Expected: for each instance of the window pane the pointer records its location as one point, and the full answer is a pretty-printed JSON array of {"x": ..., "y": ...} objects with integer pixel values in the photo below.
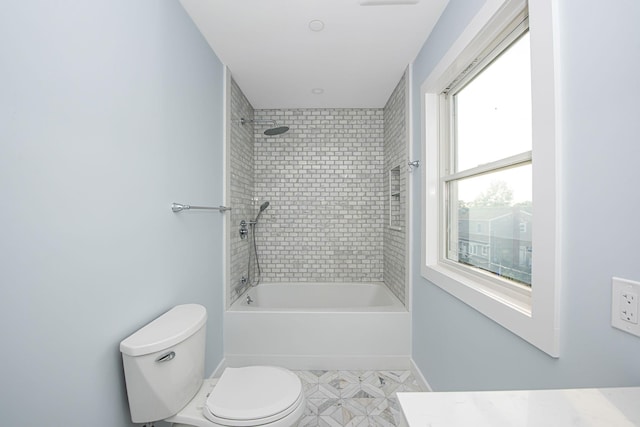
[
  {"x": 490, "y": 222},
  {"x": 493, "y": 112}
]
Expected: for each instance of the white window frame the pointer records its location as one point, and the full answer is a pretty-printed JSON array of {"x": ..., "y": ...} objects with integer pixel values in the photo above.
[{"x": 532, "y": 315}]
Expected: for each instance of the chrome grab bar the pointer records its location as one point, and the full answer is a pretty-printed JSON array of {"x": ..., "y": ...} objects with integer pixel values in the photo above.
[{"x": 177, "y": 207}]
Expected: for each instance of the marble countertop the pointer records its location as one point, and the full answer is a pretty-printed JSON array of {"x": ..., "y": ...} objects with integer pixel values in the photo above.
[{"x": 607, "y": 407}]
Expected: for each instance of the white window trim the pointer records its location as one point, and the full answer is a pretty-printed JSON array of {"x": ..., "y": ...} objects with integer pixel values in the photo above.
[{"x": 532, "y": 316}]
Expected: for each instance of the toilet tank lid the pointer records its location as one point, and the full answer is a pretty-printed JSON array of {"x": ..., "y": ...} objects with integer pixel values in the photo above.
[{"x": 169, "y": 329}]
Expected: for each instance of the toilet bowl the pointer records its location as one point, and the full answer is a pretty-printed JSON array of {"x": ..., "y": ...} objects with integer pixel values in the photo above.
[
  {"x": 164, "y": 366},
  {"x": 250, "y": 396}
]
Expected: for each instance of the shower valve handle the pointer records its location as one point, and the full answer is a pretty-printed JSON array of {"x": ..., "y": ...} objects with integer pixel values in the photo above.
[{"x": 243, "y": 229}]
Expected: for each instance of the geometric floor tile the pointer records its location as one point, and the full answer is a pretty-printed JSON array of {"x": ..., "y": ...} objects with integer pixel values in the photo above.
[{"x": 353, "y": 398}]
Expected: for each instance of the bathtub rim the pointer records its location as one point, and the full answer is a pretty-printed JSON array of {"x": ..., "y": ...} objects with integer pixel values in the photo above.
[{"x": 239, "y": 305}]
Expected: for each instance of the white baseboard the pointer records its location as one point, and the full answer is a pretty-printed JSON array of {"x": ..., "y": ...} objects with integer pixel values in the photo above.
[{"x": 417, "y": 373}]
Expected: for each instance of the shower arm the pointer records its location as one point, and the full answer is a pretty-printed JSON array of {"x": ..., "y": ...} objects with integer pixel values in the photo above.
[
  {"x": 273, "y": 131},
  {"x": 258, "y": 121}
]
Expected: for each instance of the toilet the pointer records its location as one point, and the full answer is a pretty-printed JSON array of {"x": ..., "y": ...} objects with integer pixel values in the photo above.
[{"x": 164, "y": 368}]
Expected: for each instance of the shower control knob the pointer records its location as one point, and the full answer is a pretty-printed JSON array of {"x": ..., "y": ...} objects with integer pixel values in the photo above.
[{"x": 243, "y": 229}]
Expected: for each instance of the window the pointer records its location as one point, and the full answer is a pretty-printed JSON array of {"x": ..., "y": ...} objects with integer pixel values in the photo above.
[
  {"x": 487, "y": 157},
  {"x": 490, "y": 152}
]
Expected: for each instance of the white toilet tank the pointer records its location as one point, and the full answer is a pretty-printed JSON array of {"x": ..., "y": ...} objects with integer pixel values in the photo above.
[{"x": 164, "y": 363}]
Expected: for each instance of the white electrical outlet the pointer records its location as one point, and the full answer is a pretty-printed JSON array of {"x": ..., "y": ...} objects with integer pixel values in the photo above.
[
  {"x": 624, "y": 305},
  {"x": 629, "y": 307}
]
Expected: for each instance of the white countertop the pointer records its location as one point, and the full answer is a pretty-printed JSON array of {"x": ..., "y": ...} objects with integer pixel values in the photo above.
[{"x": 607, "y": 407}]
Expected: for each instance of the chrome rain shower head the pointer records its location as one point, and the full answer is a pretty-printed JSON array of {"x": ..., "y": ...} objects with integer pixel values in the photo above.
[
  {"x": 273, "y": 131},
  {"x": 276, "y": 131}
]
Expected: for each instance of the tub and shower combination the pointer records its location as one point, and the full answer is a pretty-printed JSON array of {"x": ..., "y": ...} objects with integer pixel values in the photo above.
[
  {"x": 318, "y": 326},
  {"x": 323, "y": 187}
]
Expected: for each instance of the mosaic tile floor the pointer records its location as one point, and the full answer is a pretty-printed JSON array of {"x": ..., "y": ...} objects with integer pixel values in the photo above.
[{"x": 354, "y": 398}]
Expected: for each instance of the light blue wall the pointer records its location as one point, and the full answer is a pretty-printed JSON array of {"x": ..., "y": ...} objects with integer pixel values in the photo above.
[
  {"x": 458, "y": 349},
  {"x": 109, "y": 111}
]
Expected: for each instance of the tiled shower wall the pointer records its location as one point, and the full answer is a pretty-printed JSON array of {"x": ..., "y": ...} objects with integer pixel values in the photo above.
[
  {"x": 395, "y": 154},
  {"x": 327, "y": 184},
  {"x": 324, "y": 182},
  {"x": 241, "y": 184}
]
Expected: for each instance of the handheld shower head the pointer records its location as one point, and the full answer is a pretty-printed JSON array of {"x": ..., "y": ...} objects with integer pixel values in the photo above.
[{"x": 263, "y": 207}]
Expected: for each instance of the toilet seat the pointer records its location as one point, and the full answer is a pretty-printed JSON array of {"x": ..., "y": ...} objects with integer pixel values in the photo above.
[{"x": 253, "y": 395}]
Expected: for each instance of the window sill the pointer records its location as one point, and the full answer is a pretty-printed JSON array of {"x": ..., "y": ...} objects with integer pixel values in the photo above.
[
  {"x": 455, "y": 279},
  {"x": 499, "y": 306}
]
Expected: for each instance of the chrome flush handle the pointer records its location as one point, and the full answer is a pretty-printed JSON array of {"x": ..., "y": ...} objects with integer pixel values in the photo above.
[{"x": 166, "y": 357}]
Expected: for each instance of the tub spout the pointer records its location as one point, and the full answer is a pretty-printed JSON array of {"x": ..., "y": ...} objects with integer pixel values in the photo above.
[{"x": 249, "y": 300}]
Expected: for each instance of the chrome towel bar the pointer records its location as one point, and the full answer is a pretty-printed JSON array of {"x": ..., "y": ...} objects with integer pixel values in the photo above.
[{"x": 177, "y": 207}]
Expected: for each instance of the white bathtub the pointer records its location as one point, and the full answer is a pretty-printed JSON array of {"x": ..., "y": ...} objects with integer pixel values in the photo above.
[{"x": 318, "y": 326}]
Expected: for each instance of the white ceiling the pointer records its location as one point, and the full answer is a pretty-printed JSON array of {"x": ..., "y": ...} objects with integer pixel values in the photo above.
[{"x": 277, "y": 60}]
